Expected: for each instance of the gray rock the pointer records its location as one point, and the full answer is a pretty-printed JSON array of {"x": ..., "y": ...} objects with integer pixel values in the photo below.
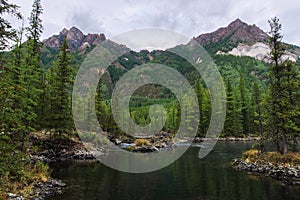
[
  {"x": 11, "y": 196},
  {"x": 287, "y": 175}
]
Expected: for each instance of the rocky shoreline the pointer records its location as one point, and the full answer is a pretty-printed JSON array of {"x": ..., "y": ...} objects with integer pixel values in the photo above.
[
  {"x": 49, "y": 156},
  {"x": 60, "y": 153},
  {"x": 288, "y": 175},
  {"x": 41, "y": 190},
  {"x": 53, "y": 151},
  {"x": 59, "y": 150}
]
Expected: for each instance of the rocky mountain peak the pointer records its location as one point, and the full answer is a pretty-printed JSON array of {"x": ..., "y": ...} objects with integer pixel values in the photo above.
[
  {"x": 75, "y": 38},
  {"x": 236, "y": 32},
  {"x": 236, "y": 24},
  {"x": 64, "y": 32},
  {"x": 75, "y": 30}
]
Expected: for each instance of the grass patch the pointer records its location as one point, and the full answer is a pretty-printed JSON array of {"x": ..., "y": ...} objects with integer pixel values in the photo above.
[
  {"x": 275, "y": 158},
  {"x": 141, "y": 142},
  {"x": 24, "y": 185}
]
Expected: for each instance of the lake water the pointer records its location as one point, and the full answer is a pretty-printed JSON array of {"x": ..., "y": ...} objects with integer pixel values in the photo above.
[{"x": 187, "y": 178}]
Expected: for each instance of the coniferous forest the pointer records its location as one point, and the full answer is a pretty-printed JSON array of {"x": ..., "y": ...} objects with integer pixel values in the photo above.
[{"x": 36, "y": 89}]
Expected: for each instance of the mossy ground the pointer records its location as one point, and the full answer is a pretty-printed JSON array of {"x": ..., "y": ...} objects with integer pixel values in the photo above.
[
  {"x": 24, "y": 186},
  {"x": 275, "y": 158}
]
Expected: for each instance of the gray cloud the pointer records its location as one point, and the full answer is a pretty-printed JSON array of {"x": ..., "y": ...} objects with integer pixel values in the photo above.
[
  {"x": 191, "y": 17},
  {"x": 85, "y": 21}
]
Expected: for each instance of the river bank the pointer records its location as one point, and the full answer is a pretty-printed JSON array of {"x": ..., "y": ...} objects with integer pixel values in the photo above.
[
  {"x": 187, "y": 178},
  {"x": 41, "y": 190},
  {"x": 43, "y": 149},
  {"x": 55, "y": 150},
  {"x": 284, "y": 168}
]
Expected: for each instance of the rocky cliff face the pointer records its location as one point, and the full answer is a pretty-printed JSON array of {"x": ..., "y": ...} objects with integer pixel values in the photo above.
[
  {"x": 238, "y": 38},
  {"x": 237, "y": 31},
  {"x": 241, "y": 39},
  {"x": 259, "y": 51},
  {"x": 75, "y": 38}
]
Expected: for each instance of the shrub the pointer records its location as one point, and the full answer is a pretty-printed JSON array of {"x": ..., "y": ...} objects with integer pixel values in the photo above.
[
  {"x": 290, "y": 159},
  {"x": 250, "y": 154},
  {"x": 140, "y": 142},
  {"x": 94, "y": 138}
]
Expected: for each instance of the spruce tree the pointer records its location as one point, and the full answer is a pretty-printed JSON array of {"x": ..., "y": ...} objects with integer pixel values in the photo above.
[
  {"x": 12, "y": 161},
  {"x": 204, "y": 108},
  {"x": 244, "y": 105},
  {"x": 9, "y": 69},
  {"x": 283, "y": 96},
  {"x": 256, "y": 98},
  {"x": 229, "y": 122},
  {"x": 291, "y": 99},
  {"x": 7, "y": 33},
  {"x": 33, "y": 59},
  {"x": 61, "y": 92},
  {"x": 35, "y": 29}
]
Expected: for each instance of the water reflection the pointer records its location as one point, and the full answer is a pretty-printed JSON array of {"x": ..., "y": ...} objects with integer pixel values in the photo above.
[{"x": 187, "y": 178}]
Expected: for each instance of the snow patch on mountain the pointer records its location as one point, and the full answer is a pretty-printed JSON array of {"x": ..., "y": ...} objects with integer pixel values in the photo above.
[{"x": 259, "y": 50}]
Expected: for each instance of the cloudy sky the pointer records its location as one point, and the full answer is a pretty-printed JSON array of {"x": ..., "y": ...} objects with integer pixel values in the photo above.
[{"x": 190, "y": 17}]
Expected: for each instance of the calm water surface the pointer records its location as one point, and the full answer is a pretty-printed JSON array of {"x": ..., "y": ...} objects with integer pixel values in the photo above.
[{"x": 187, "y": 178}]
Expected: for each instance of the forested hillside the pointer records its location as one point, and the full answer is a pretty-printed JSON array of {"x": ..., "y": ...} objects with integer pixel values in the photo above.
[{"x": 36, "y": 79}]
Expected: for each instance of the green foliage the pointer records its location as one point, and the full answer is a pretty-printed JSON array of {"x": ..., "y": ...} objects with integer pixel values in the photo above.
[
  {"x": 94, "y": 138},
  {"x": 233, "y": 122},
  {"x": 231, "y": 67},
  {"x": 224, "y": 45},
  {"x": 283, "y": 97},
  {"x": 20, "y": 88},
  {"x": 12, "y": 161},
  {"x": 275, "y": 158},
  {"x": 33, "y": 58},
  {"x": 245, "y": 104},
  {"x": 59, "y": 90},
  {"x": 7, "y": 33},
  {"x": 36, "y": 87},
  {"x": 204, "y": 108}
]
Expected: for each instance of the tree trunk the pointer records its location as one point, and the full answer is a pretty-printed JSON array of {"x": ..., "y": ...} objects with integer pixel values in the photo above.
[
  {"x": 295, "y": 144},
  {"x": 284, "y": 144},
  {"x": 261, "y": 129}
]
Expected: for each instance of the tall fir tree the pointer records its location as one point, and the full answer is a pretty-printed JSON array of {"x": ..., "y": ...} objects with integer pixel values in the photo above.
[
  {"x": 12, "y": 160},
  {"x": 35, "y": 29},
  {"x": 7, "y": 32},
  {"x": 33, "y": 59},
  {"x": 291, "y": 99},
  {"x": 61, "y": 91},
  {"x": 204, "y": 108},
  {"x": 257, "y": 112},
  {"x": 228, "y": 127},
  {"x": 283, "y": 92},
  {"x": 244, "y": 105}
]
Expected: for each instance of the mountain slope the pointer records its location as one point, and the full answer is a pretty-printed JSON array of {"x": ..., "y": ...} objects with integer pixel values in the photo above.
[
  {"x": 227, "y": 37},
  {"x": 75, "y": 38},
  {"x": 237, "y": 47},
  {"x": 241, "y": 39}
]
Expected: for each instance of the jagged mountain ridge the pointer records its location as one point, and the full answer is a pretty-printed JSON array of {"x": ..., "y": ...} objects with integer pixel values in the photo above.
[
  {"x": 75, "y": 38},
  {"x": 241, "y": 39},
  {"x": 236, "y": 31},
  {"x": 238, "y": 38}
]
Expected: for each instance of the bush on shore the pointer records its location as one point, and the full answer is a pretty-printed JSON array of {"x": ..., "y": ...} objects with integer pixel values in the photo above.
[
  {"x": 24, "y": 184},
  {"x": 288, "y": 159},
  {"x": 141, "y": 142}
]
